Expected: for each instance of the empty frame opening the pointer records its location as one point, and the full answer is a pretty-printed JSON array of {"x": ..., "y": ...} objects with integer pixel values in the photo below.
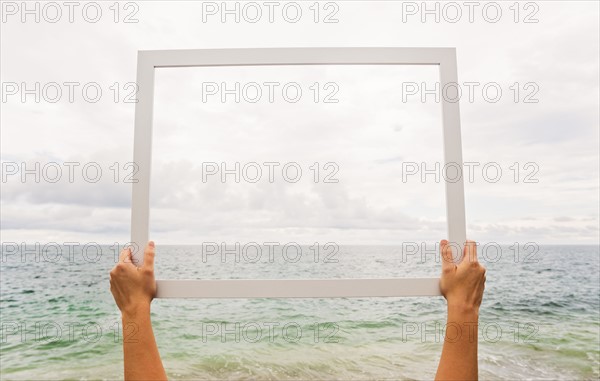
[{"x": 321, "y": 171}]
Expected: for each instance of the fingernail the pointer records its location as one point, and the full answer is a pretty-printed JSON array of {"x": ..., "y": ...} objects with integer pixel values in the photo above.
[{"x": 151, "y": 243}]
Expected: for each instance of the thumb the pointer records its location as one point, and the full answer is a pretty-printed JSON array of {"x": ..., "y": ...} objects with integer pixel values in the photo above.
[
  {"x": 149, "y": 255},
  {"x": 447, "y": 259}
]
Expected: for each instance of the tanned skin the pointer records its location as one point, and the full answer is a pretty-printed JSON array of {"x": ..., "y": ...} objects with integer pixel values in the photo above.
[
  {"x": 462, "y": 285},
  {"x": 134, "y": 288}
]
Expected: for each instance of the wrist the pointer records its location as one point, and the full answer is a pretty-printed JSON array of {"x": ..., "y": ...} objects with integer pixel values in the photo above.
[
  {"x": 463, "y": 312},
  {"x": 136, "y": 311}
]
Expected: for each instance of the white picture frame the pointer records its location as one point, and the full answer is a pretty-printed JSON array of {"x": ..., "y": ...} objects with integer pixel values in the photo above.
[{"x": 149, "y": 61}]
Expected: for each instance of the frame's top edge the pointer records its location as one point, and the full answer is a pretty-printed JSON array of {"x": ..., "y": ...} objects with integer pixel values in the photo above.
[
  {"x": 296, "y": 56},
  {"x": 430, "y": 48}
]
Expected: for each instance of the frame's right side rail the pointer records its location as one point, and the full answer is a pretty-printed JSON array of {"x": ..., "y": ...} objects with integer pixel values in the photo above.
[{"x": 455, "y": 194}]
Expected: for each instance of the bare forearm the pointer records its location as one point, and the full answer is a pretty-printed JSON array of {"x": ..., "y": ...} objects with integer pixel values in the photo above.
[
  {"x": 459, "y": 354},
  {"x": 142, "y": 360}
]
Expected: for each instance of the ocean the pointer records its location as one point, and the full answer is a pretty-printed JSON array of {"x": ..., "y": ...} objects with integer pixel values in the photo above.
[{"x": 539, "y": 318}]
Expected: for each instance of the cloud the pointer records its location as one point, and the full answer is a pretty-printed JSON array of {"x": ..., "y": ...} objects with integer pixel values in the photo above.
[{"x": 369, "y": 133}]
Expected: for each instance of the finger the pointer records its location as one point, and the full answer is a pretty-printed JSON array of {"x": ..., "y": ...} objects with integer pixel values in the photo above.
[
  {"x": 125, "y": 255},
  {"x": 149, "y": 254},
  {"x": 470, "y": 251},
  {"x": 446, "y": 251}
]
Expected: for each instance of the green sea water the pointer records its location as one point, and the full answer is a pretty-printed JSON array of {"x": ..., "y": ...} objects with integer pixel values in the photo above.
[{"x": 539, "y": 318}]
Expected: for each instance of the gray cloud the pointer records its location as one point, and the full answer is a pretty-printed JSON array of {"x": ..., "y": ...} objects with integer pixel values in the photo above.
[{"x": 369, "y": 133}]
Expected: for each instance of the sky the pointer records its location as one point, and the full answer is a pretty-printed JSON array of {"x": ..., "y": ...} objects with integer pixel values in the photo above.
[{"x": 530, "y": 124}]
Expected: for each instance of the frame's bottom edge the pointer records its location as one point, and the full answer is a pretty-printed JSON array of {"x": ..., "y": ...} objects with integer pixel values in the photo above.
[{"x": 298, "y": 288}]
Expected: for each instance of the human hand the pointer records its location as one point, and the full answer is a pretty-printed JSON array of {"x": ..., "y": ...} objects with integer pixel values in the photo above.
[
  {"x": 134, "y": 287},
  {"x": 462, "y": 285}
]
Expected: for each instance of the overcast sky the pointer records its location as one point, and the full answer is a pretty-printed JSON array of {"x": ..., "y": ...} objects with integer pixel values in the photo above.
[{"x": 546, "y": 120}]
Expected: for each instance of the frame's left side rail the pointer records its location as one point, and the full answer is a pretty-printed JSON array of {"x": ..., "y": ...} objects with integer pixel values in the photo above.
[{"x": 142, "y": 158}]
